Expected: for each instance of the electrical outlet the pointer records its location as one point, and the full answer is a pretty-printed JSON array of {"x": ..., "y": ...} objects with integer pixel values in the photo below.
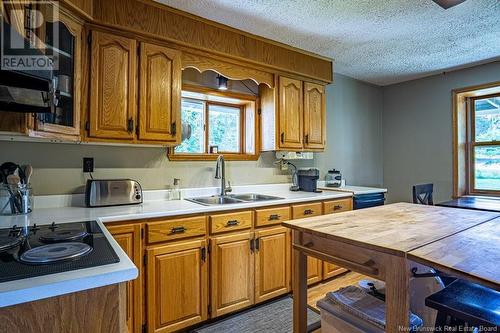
[{"x": 88, "y": 164}]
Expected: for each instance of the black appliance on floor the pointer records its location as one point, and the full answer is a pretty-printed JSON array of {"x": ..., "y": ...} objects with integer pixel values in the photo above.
[
  {"x": 53, "y": 248},
  {"x": 361, "y": 201}
]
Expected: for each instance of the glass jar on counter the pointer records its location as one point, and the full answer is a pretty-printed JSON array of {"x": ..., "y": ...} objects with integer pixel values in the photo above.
[{"x": 16, "y": 199}]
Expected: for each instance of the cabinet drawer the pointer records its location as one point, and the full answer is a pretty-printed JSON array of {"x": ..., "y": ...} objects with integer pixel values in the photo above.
[
  {"x": 307, "y": 210},
  {"x": 337, "y": 206},
  {"x": 161, "y": 231},
  {"x": 271, "y": 216},
  {"x": 231, "y": 221}
]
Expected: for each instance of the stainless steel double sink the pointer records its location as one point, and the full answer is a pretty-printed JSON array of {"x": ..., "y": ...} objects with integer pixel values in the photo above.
[{"x": 232, "y": 199}]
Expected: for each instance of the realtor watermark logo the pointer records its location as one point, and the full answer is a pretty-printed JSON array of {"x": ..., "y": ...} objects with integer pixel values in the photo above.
[{"x": 29, "y": 36}]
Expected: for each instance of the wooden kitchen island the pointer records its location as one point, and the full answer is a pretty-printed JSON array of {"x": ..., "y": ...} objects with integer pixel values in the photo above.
[{"x": 380, "y": 241}]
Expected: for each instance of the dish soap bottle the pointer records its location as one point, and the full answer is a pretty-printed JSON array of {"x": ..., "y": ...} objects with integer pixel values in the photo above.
[{"x": 176, "y": 193}]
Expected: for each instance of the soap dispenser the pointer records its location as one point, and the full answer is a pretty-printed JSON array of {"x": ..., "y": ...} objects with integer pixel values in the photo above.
[{"x": 176, "y": 193}]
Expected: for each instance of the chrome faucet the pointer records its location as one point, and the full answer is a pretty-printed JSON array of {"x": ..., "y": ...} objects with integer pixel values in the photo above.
[{"x": 220, "y": 173}]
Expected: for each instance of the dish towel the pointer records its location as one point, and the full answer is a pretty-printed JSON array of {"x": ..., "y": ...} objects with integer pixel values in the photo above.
[{"x": 359, "y": 303}]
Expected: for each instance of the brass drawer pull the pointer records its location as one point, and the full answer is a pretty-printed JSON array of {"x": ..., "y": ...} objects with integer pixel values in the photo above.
[
  {"x": 274, "y": 217},
  {"x": 178, "y": 230},
  {"x": 308, "y": 211},
  {"x": 337, "y": 207},
  {"x": 232, "y": 223}
]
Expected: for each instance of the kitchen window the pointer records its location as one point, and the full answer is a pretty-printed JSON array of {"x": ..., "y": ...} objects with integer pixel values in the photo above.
[
  {"x": 216, "y": 123},
  {"x": 484, "y": 148}
]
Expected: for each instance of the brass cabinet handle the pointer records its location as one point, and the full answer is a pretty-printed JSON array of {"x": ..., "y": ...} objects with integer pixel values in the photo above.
[
  {"x": 274, "y": 217},
  {"x": 178, "y": 230},
  {"x": 203, "y": 251},
  {"x": 308, "y": 211},
  {"x": 257, "y": 244},
  {"x": 173, "y": 128},
  {"x": 282, "y": 137},
  {"x": 232, "y": 223},
  {"x": 130, "y": 125},
  {"x": 337, "y": 207},
  {"x": 307, "y": 138}
]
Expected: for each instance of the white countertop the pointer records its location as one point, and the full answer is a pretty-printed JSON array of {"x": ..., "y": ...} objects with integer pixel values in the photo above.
[
  {"x": 25, "y": 290},
  {"x": 158, "y": 207}
]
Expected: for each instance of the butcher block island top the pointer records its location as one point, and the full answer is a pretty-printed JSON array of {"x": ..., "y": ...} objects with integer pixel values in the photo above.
[
  {"x": 381, "y": 241},
  {"x": 473, "y": 254},
  {"x": 395, "y": 228}
]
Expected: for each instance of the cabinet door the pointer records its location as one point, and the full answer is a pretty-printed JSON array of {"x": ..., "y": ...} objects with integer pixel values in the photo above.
[
  {"x": 314, "y": 116},
  {"x": 272, "y": 263},
  {"x": 314, "y": 270},
  {"x": 129, "y": 238},
  {"x": 331, "y": 270},
  {"x": 112, "y": 87},
  {"x": 290, "y": 113},
  {"x": 160, "y": 94},
  {"x": 177, "y": 285},
  {"x": 232, "y": 273},
  {"x": 66, "y": 119}
]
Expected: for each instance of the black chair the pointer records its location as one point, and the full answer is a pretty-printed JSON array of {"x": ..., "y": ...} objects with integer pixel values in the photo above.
[
  {"x": 422, "y": 194},
  {"x": 463, "y": 305}
]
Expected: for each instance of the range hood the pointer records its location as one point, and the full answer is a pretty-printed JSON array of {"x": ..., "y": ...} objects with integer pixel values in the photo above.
[{"x": 25, "y": 90}]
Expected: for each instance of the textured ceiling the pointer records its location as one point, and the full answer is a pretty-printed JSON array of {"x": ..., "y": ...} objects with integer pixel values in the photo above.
[{"x": 378, "y": 41}]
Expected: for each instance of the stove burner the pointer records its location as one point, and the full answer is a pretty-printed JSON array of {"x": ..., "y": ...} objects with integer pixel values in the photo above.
[
  {"x": 50, "y": 253},
  {"x": 63, "y": 235},
  {"x": 8, "y": 242}
]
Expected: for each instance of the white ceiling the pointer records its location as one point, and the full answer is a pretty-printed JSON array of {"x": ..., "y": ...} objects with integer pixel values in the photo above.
[{"x": 378, "y": 41}]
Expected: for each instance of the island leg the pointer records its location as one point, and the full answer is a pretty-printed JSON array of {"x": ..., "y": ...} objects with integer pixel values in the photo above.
[
  {"x": 397, "y": 294},
  {"x": 299, "y": 292}
]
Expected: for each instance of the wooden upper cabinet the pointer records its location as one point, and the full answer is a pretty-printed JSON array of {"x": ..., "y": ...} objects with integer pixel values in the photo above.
[
  {"x": 272, "y": 263},
  {"x": 177, "y": 286},
  {"x": 160, "y": 94},
  {"x": 232, "y": 273},
  {"x": 65, "y": 122},
  {"x": 129, "y": 238},
  {"x": 314, "y": 116},
  {"x": 112, "y": 112},
  {"x": 290, "y": 113}
]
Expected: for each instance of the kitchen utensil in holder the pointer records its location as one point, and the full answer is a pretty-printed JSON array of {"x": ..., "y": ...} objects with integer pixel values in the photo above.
[{"x": 16, "y": 199}]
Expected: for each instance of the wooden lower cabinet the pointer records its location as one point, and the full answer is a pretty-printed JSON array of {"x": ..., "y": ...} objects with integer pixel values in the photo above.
[
  {"x": 128, "y": 236},
  {"x": 177, "y": 285},
  {"x": 191, "y": 276},
  {"x": 272, "y": 263},
  {"x": 231, "y": 273},
  {"x": 334, "y": 207},
  {"x": 314, "y": 270},
  {"x": 314, "y": 266},
  {"x": 331, "y": 270}
]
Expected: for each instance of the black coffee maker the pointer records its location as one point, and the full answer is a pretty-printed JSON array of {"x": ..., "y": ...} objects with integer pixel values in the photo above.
[{"x": 308, "y": 179}]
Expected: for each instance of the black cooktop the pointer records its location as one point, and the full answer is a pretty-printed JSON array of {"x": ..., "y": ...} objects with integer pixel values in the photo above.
[{"x": 53, "y": 248}]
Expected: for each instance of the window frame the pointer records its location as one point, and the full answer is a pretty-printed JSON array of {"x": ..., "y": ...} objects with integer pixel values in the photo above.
[
  {"x": 242, "y": 155},
  {"x": 472, "y": 144},
  {"x": 242, "y": 140}
]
